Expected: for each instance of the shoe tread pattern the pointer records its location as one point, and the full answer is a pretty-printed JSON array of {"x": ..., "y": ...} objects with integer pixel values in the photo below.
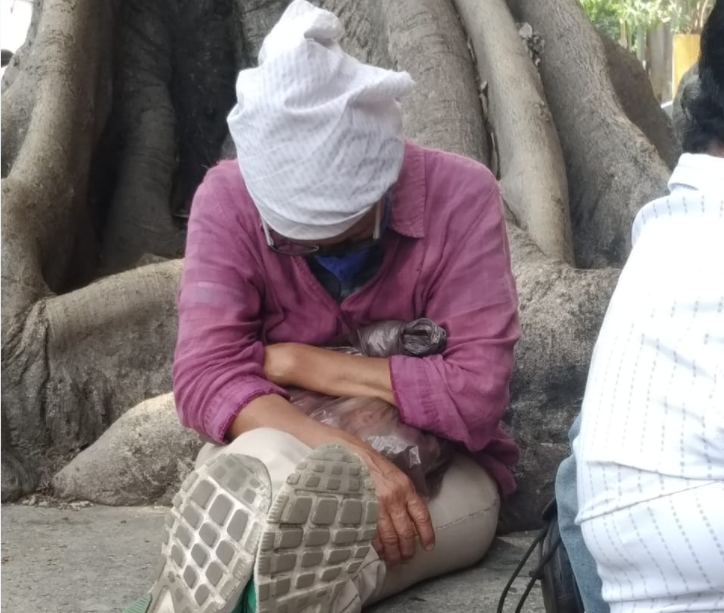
[
  {"x": 211, "y": 536},
  {"x": 318, "y": 533}
]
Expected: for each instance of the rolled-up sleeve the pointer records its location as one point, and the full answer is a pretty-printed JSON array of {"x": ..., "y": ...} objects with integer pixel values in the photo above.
[
  {"x": 218, "y": 363},
  {"x": 462, "y": 394}
]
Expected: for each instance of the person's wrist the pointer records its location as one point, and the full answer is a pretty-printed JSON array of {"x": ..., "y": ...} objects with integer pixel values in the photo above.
[
  {"x": 346, "y": 440},
  {"x": 361, "y": 449}
]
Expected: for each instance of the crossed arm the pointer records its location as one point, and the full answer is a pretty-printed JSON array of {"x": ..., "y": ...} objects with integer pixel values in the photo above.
[{"x": 328, "y": 372}]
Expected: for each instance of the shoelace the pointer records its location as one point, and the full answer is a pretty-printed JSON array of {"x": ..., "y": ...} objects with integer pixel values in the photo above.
[{"x": 535, "y": 574}]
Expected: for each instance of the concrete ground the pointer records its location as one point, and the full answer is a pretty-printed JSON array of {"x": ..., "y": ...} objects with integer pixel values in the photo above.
[{"x": 98, "y": 559}]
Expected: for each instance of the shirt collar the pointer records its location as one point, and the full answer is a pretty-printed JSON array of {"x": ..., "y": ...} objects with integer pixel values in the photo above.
[
  {"x": 700, "y": 172},
  {"x": 697, "y": 190},
  {"x": 408, "y": 196}
]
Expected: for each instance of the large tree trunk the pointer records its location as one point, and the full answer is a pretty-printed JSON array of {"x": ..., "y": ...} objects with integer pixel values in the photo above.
[
  {"x": 54, "y": 107},
  {"x": 139, "y": 218},
  {"x": 77, "y": 353},
  {"x": 629, "y": 79},
  {"x": 613, "y": 169}
]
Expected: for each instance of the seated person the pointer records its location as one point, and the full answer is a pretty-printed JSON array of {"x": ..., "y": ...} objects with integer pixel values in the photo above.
[
  {"x": 650, "y": 452},
  {"x": 329, "y": 221}
]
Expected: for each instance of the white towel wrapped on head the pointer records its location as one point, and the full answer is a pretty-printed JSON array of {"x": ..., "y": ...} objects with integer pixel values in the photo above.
[{"x": 318, "y": 134}]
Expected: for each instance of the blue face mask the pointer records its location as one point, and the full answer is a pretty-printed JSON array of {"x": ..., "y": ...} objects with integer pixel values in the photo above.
[{"x": 346, "y": 266}]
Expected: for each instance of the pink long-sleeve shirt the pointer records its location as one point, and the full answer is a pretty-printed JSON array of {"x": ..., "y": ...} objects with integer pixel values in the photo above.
[{"x": 446, "y": 257}]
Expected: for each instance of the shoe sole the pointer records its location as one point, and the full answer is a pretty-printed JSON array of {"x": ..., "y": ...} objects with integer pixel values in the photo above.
[
  {"x": 301, "y": 549},
  {"x": 211, "y": 537},
  {"x": 317, "y": 535}
]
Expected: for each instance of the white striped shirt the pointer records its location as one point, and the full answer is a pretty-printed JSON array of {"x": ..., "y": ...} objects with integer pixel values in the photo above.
[{"x": 653, "y": 412}]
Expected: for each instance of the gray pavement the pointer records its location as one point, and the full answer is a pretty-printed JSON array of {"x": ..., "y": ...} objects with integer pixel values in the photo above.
[{"x": 98, "y": 559}]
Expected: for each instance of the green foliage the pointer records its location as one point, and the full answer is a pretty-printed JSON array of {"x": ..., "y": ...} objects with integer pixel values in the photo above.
[
  {"x": 605, "y": 15},
  {"x": 645, "y": 13},
  {"x": 689, "y": 16},
  {"x": 613, "y": 16}
]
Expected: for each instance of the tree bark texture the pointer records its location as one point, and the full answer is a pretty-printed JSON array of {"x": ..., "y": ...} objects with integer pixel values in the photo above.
[{"x": 612, "y": 167}]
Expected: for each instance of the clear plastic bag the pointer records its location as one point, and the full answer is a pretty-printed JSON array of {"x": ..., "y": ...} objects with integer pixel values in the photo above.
[{"x": 420, "y": 455}]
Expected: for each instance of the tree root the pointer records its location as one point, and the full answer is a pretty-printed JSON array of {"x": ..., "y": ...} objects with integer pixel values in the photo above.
[
  {"x": 141, "y": 459},
  {"x": 80, "y": 360},
  {"x": 533, "y": 177}
]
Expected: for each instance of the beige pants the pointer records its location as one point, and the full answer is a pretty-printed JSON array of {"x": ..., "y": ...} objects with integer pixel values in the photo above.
[{"x": 464, "y": 516}]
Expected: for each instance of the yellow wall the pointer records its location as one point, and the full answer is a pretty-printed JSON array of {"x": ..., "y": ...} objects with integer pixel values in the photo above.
[{"x": 686, "y": 53}]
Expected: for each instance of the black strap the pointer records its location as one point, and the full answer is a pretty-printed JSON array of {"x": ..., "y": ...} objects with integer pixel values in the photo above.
[
  {"x": 535, "y": 574},
  {"x": 501, "y": 603}
]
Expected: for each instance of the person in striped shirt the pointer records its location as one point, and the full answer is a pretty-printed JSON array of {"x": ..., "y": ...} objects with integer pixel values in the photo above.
[{"x": 649, "y": 456}]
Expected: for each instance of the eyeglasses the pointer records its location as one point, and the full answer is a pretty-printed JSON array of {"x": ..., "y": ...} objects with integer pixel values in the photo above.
[{"x": 284, "y": 246}]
